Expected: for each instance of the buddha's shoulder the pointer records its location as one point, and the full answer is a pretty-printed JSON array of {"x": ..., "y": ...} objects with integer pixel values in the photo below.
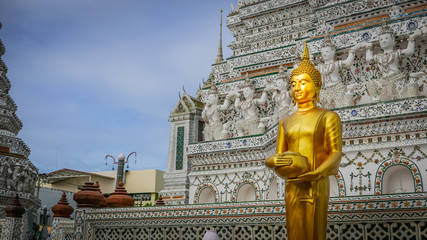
[
  {"x": 328, "y": 114},
  {"x": 331, "y": 115}
]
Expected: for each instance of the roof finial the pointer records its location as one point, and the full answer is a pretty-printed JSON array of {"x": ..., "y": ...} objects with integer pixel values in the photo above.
[
  {"x": 219, "y": 56},
  {"x": 305, "y": 55}
]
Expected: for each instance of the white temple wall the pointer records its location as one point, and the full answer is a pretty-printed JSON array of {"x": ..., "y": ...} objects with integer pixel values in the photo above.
[
  {"x": 365, "y": 172},
  {"x": 235, "y": 184}
]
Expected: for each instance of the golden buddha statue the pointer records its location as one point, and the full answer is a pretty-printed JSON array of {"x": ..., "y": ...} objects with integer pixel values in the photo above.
[{"x": 308, "y": 151}]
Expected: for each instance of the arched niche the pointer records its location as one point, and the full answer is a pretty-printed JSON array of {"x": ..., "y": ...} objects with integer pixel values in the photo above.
[
  {"x": 207, "y": 195},
  {"x": 273, "y": 190},
  {"x": 246, "y": 193},
  {"x": 398, "y": 179},
  {"x": 398, "y": 176}
]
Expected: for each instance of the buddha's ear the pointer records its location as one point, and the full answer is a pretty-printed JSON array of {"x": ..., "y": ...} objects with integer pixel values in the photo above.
[{"x": 317, "y": 95}]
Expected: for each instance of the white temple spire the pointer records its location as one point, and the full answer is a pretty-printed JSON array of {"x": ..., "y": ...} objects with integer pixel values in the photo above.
[{"x": 219, "y": 57}]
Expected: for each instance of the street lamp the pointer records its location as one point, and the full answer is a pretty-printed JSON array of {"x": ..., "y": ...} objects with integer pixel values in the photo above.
[{"x": 120, "y": 164}]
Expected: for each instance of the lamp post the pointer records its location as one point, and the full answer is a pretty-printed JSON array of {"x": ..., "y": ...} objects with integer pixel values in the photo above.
[{"x": 120, "y": 165}]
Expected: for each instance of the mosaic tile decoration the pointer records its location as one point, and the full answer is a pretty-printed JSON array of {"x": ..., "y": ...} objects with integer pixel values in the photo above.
[
  {"x": 365, "y": 112},
  {"x": 179, "y": 148},
  {"x": 363, "y": 208}
]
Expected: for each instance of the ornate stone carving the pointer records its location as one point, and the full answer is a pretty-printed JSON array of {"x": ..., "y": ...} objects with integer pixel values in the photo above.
[
  {"x": 211, "y": 114},
  {"x": 249, "y": 123},
  {"x": 281, "y": 97},
  {"x": 392, "y": 83},
  {"x": 333, "y": 88}
]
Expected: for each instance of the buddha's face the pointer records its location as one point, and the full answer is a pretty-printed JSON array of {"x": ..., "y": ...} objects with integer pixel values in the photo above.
[
  {"x": 248, "y": 93},
  {"x": 386, "y": 41},
  {"x": 328, "y": 53},
  {"x": 212, "y": 99},
  {"x": 303, "y": 88}
]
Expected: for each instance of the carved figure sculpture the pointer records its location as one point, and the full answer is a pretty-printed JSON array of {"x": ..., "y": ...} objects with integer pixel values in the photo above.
[
  {"x": 17, "y": 178},
  {"x": 3, "y": 185},
  {"x": 249, "y": 124},
  {"x": 392, "y": 81},
  {"x": 11, "y": 184},
  {"x": 211, "y": 114},
  {"x": 297, "y": 60},
  {"x": 308, "y": 150},
  {"x": 412, "y": 88},
  {"x": 348, "y": 96},
  {"x": 281, "y": 96},
  {"x": 333, "y": 89}
]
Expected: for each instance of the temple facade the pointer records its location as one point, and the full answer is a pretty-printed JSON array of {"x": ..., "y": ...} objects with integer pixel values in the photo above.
[
  {"x": 17, "y": 174},
  {"x": 372, "y": 57}
]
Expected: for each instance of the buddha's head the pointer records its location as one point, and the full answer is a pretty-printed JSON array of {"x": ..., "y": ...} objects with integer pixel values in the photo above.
[
  {"x": 387, "y": 38},
  {"x": 305, "y": 80}
]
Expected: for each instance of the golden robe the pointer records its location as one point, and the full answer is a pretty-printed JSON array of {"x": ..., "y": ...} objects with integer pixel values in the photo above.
[{"x": 315, "y": 134}]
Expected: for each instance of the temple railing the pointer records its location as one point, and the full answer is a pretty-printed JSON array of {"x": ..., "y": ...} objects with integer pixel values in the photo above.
[{"x": 368, "y": 217}]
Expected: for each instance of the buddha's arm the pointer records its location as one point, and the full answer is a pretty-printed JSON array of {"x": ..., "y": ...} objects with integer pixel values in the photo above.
[
  {"x": 334, "y": 148},
  {"x": 281, "y": 147},
  {"x": 333, "y": 138},
  {"x": 281, "y": 144}
]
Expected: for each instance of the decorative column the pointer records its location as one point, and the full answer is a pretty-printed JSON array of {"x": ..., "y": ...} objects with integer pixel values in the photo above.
[
  {"x": 61, "y": 213},
  {"x": 186, "y": 128},
  {"x": 12, "y": 228}
]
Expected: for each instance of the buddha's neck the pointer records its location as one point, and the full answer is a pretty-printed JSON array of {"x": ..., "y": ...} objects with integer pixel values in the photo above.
[{"x": 306, "y": 106}]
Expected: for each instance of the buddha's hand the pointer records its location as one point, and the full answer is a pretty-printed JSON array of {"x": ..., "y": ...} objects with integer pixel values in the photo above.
[
  {"x": 278, "y": 160},
  {"x": 307, "y": 177}
]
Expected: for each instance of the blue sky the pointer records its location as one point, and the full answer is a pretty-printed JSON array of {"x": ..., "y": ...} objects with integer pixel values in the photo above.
[{"x": 99, "y": 77}]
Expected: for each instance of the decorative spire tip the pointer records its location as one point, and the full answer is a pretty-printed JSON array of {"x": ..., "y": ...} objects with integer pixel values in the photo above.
[{"x": 306, "y": 54}]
